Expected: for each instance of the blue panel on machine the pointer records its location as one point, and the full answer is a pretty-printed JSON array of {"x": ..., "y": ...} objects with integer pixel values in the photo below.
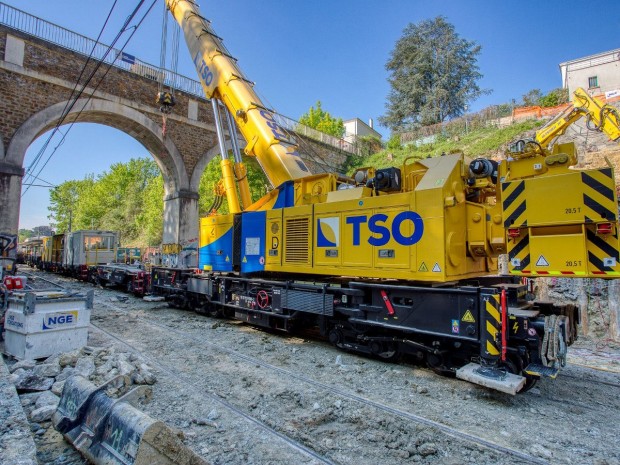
[
  {"x": 253, "y": 226},
  {"x": 217, "y": 256},
  {"x": 286, "y": 195}
]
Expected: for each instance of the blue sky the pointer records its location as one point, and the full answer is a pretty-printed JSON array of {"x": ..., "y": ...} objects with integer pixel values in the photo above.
[{"x": 333, "y": 51}]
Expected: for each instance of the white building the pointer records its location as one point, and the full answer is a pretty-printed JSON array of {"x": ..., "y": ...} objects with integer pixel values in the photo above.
[
  {"x": 357, "y": 128},
  {"x": 598, "y": 74}
]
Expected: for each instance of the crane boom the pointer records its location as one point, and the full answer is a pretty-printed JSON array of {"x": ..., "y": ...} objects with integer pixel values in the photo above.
[{"x": 222, "y": 79}]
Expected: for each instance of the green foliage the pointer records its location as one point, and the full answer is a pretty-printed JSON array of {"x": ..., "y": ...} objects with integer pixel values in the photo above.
[
  {"x": 68, "y": 204},
  {"x": 434, "y": 74},
  {"x": 369, "y": 145},
  {"x": 24, "y": 234},
  {"x": 555, "y": 97},
  {"x": 536, "y": 98},
  {"x": 128, "y": 199},
  {"x": 532, "y": 98},
  {"x": 212, "y": 175},
  {"x": 394, "y": 142},
  {"x": 321, "y": 120},
  {"x": 479, "y": 142}
]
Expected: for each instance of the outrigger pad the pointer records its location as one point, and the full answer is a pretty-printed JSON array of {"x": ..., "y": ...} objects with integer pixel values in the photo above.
[
  {"x": 507, "y": 382},
  {"x": 111, "y": 431}
]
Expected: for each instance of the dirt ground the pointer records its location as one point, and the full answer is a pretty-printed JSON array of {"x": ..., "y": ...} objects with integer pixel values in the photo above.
[{"x": 241, "y": 395}]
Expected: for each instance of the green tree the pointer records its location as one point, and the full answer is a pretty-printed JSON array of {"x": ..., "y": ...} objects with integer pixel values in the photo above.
[
  {"x": 555, "y": 97},
  {"x": 128, "y": 198},
  {"x": 150, "y": 219},
  {"x": 66, "y": 204},
  {"x": 24, "y": 234},
  {"x": 433, "y": 75},
  {"x": 532, "y": 98},
  {"x": 212, "y": 175},
  {"x": 321, "y": 120}
]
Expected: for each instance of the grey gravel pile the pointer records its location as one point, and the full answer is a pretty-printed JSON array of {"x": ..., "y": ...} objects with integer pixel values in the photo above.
[{"x": 40, "y": 384}]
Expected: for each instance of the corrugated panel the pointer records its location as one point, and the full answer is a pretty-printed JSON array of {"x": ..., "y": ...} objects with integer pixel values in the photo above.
[
  {"x": 296, "y": 246},
  {"x": 321, "y": 304}
]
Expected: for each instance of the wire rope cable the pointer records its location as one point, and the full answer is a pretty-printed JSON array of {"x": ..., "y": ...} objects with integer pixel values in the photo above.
[
  {"x": 37, "y": 158},
  {"x": 124, "y": 29}
]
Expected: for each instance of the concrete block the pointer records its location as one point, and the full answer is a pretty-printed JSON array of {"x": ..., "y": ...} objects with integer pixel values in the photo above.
[{"x": 510, "y": 384}]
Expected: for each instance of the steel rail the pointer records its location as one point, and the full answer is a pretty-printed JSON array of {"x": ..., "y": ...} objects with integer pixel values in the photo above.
[
  {"x": 201, "y": 388},
  {"x": 448, "y": 430}
]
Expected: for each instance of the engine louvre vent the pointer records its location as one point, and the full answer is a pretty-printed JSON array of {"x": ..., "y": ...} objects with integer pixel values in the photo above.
[{"x": 297, "y": 244}]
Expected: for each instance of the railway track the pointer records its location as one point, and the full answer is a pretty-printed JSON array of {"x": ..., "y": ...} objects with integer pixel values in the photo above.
[
  {"x": 188, "y": 329},
  {"x": 386, "y": 409},
  {"x": 176, "y": 374}
]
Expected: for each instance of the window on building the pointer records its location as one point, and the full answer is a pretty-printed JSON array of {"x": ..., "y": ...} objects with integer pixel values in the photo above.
[{"x": 592, "y": 82}]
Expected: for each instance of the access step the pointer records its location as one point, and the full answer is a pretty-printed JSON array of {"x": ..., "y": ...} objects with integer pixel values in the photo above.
[
  {"x": 499, "y": 380},
  {"x": 536, "y": 369}
]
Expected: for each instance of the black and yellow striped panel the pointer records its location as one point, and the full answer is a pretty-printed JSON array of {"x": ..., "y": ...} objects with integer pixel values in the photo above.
[
  {"x": 603, "y": 256},
  {"x": 514, "y": 204},
  {"x": 519, "y": 248},
  {"x": 492, "y": 314},
  {"x": 599, "y": 195}
]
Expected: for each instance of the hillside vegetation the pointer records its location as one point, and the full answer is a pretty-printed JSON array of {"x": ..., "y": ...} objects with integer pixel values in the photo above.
[{"x": 477, "y": 143}]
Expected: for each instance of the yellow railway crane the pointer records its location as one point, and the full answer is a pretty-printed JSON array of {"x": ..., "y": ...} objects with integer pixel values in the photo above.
[{"x": 402, "y": 259}]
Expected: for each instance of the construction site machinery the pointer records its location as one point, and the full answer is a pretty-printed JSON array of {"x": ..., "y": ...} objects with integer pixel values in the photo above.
[{"x": 401, "y": 259}]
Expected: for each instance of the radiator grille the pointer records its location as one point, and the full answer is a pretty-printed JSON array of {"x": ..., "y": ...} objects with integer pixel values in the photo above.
[{"x": 296, "y": 242}]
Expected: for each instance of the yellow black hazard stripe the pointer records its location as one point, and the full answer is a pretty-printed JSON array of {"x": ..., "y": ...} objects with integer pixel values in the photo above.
[
  {"x": 598, "y": 250},
  {"x": 514, "y": 204},
  {"x": 598, "y": 195},
  {"x": 520, "y": 249},
  {"x": 493, "y": 326}
]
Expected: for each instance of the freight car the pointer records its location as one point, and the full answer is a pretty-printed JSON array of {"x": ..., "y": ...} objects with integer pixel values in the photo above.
[
  {"x": 78, "y": 253},
  {"x": 94, "y": 256}
]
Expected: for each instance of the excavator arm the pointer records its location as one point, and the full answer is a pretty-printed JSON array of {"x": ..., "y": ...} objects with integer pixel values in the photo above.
[{"x": 599, "y": 117}]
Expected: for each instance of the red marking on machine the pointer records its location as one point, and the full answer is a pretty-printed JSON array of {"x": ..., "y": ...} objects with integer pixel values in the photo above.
[
  {"x": 504, "y": 317},
  {"x": 388, "y": 304}
]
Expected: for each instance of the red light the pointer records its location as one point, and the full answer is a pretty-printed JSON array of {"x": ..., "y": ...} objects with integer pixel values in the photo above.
[
  {"x": 604, "y": 228},
  {"x": 514, "y": 232}
]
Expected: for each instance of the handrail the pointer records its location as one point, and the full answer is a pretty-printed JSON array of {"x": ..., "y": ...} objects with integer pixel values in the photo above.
[{"x": 22, "y": 21}]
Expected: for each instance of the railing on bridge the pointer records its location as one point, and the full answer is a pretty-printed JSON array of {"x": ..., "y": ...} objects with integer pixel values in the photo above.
[{"x": 25, "y": 22}]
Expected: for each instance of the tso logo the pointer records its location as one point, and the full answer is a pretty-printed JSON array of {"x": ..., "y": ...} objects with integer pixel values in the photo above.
[
  {"x": 203, "y": 70},
  {"x": 60, "y": 320},
  {"x": 382, "y": 231}
]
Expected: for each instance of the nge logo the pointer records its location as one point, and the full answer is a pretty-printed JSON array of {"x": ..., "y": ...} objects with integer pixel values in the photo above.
[{"x": 60, "y": 319}]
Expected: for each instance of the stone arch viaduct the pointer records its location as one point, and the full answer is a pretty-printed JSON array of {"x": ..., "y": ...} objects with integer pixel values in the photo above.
[{"x": 38, "y": 72}]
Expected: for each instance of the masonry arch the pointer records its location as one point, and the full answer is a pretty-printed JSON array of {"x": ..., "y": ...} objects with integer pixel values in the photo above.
[
  {"x": 121, "y": 117},
  {"x": 180, "y": 202}
]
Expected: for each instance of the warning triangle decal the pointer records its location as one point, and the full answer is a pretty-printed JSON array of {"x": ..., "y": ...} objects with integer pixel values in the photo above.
[
  {"x": 468, "y": 317},
  {"x": 436, "y": 268},
  {"x": 245, "y": 260},
  {"x": 542, "y": 261},
  {"x": 423, "y": 268}
]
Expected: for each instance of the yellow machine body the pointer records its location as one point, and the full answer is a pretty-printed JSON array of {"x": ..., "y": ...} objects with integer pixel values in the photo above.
[
  {"x": 436, "y": 220},
  {"x": 560, "y": 221}
]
